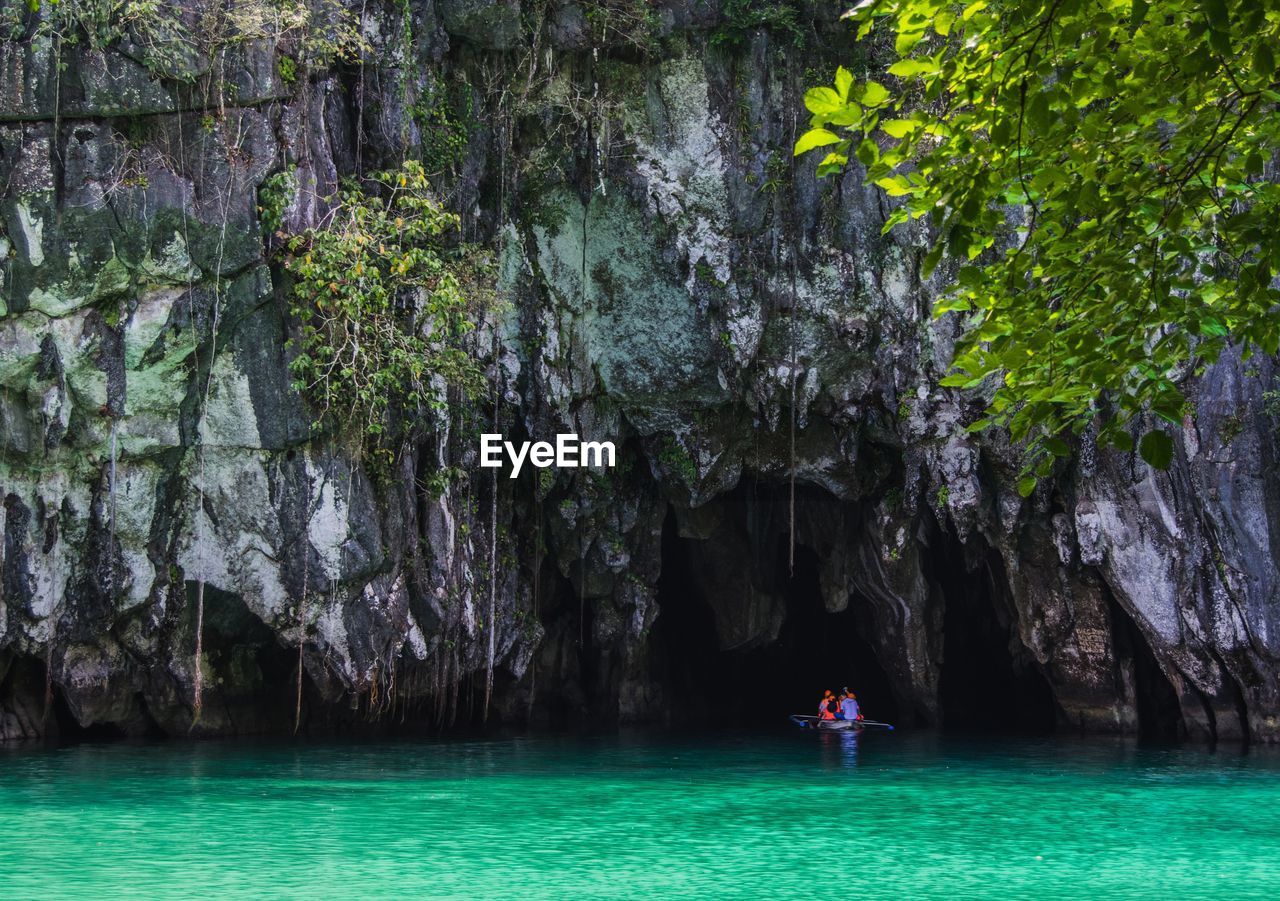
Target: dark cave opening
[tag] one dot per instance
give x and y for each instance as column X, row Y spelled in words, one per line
column 988, row 680
column 1157, row 706
column 759, row 686
column 254, row 676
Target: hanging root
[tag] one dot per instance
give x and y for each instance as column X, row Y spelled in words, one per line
column 197, row 704
column 302, row 631
column 491, row 618
column 297, row 709
column 48, row 680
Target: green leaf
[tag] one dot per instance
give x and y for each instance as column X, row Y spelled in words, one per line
column 1216, row 11
column 858, row 8
column 910, row 68
column 1057, row 447
column 906, row 41
column 895, row 185
column 1038, row 112
column 1169, row 408
column 1120, row 440
column 899, row 128
column 874, row 94
column 815, row 137
column 831, row 164
column 1211, row 327
column 1264, row 61
column 844, row 80
column 1027, row 485
column 931, row 261
column 1157, row 449
column 849, row 114
column 822, row 101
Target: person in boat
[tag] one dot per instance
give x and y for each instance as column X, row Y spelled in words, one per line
column 849, row 706
column 827, row 706
column 833, row 707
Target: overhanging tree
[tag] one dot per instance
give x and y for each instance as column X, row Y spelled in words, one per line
column 1103, row 172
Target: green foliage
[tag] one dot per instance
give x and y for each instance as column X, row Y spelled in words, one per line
column 384, row 306
column 444, row 119
column 170, row 42
column 287, row 69
column 742, row 17
column 1271, row 403
column 633, row 23
column 155, row 27
column 674, row 458
column 438, row 482
column 1096, row 170
column 274, row 195
column 1232, row 426
column 777, row 174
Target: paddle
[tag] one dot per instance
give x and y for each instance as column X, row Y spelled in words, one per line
column 802, row 719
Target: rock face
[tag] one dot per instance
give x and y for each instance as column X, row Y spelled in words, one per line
column 673, row 283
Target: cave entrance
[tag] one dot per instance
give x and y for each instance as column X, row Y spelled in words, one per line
column 1155, row 701
column 706, row 685
column 988, row 680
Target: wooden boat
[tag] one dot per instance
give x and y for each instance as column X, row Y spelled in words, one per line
column 813, row 722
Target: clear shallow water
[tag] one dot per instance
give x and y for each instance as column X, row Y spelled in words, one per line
column 792, row 815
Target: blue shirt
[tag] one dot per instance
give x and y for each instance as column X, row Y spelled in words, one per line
column 849, row 707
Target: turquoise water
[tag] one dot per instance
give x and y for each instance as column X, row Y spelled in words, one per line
column 791, row 815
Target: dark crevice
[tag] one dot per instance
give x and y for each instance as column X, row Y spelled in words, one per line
column 22, row 682
column 561, row 661
column 71, row 732
column 988, row 680
column 253, row 676
column 1155, row 700
column 1235, row 694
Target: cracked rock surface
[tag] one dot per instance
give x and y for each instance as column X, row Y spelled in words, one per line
column 671, row 284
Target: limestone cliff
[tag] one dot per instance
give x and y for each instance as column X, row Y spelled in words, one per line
column 672, row 282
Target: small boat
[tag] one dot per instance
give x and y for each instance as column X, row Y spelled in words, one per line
column 813, row 722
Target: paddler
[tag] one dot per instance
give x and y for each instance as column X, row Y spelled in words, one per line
column 825, row 706
column 849, row 706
